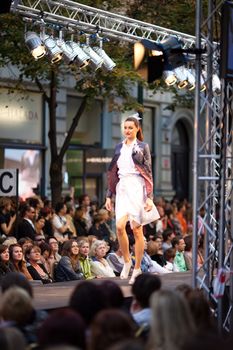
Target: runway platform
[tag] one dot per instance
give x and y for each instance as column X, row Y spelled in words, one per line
column 56, row 295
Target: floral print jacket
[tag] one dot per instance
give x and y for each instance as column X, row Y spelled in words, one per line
column 142, row 160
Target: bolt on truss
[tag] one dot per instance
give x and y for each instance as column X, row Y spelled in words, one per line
column 213, row 164
column 77, row 16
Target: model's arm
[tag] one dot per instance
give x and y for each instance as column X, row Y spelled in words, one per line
column 149, row 184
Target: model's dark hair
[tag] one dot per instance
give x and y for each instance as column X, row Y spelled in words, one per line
column 138, row 125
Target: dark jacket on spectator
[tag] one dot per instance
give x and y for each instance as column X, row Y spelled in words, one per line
column 5, row 268
column 36, row 276
column 65, row 272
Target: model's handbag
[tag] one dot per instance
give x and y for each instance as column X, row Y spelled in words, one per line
column 149, row 216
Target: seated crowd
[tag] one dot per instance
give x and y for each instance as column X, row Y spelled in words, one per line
column 97, row 317
column 79, row 243
column 73, row 242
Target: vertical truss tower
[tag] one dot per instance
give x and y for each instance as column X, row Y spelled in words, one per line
column 213, row 169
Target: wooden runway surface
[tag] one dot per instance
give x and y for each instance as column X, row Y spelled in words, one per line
column 56, row 295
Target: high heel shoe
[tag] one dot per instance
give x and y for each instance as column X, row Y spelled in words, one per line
column 126, row 269
column 136, row 273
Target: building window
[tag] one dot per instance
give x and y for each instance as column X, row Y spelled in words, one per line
column 88, row 130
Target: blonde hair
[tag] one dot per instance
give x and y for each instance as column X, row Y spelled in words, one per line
column 16, row 305
column 82, row 240
column 169, row 307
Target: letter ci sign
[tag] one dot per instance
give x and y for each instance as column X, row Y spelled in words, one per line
column 8, row 182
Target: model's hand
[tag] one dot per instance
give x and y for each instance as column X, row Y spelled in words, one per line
column 149, row 204
column 108, row 204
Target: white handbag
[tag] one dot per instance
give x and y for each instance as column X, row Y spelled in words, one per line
column 149, row 216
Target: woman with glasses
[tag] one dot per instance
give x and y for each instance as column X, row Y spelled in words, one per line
column 35, row 267
column 68, row 268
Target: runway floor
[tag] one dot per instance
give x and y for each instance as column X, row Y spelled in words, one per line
column 56, row 295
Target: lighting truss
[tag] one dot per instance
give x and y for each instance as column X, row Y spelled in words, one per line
column 213, row 165
column 81, row 17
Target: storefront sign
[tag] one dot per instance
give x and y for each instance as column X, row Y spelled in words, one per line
column 98, row 160
column 8, row 182
column 20, row 116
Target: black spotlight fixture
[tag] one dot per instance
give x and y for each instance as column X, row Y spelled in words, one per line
column 5, row 6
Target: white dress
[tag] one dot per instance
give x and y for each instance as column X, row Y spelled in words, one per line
column 131, row 189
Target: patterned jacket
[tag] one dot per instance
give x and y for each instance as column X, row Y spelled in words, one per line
column 142, row 160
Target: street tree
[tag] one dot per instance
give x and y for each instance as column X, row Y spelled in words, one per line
column 47, row 77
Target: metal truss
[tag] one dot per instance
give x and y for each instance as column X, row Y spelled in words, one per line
column 213, row 164
column 75, row 16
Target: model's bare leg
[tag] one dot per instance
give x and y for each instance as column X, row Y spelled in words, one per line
column 139, row 250
column 139, row 246
column 124, row 245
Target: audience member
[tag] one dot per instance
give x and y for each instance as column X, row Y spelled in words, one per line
column 68, row 268
column 87, row 299
column 168, row 235
column 26, row 226
column 169, row 256
column 80, row 222
column 7, row 217
column 62, row 327
column 36, row 269
column 180, row 216
column 115, row 258
column 110, row 326
column 144, row 286
column 99, row 265
column 83, row 256
column 11, row 338
column 5, row 264
column 169, row 307
column 188, row 255
column 113, row 294
column 17, row 260
column 61, row 228
column 179, row 245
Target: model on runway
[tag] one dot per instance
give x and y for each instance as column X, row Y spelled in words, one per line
column 130, row 179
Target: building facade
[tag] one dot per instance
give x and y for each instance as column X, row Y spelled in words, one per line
column 24, row 142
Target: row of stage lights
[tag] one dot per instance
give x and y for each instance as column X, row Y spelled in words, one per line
column 70, row 52
column 185, row 78
column 166, row 60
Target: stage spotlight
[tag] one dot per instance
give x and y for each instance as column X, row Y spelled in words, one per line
column 169, row 77
column 54, row 52
column 95, row 60
column 108, row 63
column 67, row 53
column 81, row 58
column 169, row 48
column 5, row 6
column 216, row 84
column 191, row 80
column 202, row 83
column 35, row 45
column 147, row 64
column 181, row 75
column 162, row 59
